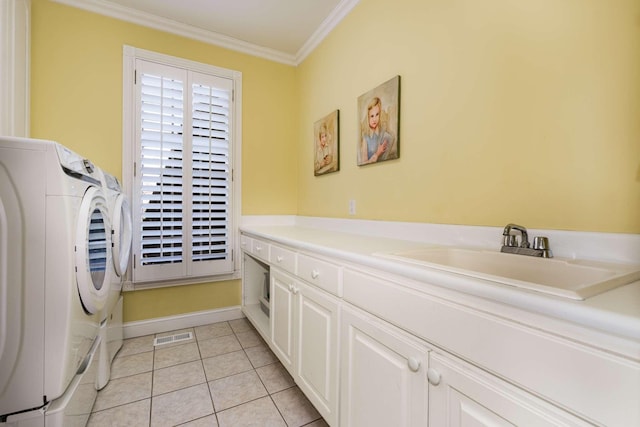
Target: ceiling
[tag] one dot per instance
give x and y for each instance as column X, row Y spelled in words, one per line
column 283, row 30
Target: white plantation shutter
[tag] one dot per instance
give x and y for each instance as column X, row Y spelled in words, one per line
column 161, row 166
column 182, row 209
column 210, row 171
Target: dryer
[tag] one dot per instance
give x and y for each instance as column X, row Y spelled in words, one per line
column 54, row 252
column 111, row 330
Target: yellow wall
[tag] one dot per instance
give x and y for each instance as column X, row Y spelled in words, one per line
column 510, row 111
column 76, row 99
column 161, row 302
column 525, row 111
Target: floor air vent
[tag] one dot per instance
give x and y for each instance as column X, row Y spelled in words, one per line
column 171, row 339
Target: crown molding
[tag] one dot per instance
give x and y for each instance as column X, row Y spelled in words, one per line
column 123, row 13
column 332, row 21
column 107, row 8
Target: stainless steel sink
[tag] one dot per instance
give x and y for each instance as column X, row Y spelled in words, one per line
column 575, row 279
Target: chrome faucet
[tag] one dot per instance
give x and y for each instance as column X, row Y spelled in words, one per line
column 510, row 243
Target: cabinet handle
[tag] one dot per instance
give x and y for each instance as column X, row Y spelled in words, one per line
column 315, row 274
column 258, row 248
column 414, row 364
column 433, row 376
column 290, row 288
column 295, row 290
column 279, row 258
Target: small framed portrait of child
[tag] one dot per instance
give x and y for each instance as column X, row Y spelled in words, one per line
column 379, row 116
column 326, row 133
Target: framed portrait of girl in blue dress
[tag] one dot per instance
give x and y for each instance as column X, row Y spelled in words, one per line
column 379, row 115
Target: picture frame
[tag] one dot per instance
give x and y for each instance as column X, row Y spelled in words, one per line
column 379, row 130
column 326, row 144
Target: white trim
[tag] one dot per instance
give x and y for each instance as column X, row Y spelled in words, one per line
column 253, row 220
column 15, row 63
column 128, row 285
column 144, row 19
column 332, row 21
column 587, row 245
column 128, row 128
column 174, row 61
column 611, row 247
column 180, row 321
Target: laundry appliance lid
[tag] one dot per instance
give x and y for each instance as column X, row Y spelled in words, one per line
column 122, row 234
column 93, row 250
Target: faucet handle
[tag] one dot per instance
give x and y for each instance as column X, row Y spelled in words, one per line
column 540, row 242
column 510, row 240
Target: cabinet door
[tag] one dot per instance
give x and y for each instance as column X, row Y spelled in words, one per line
column 383, row 374
column 317, row 349
column 282, row 322
column 462, row 395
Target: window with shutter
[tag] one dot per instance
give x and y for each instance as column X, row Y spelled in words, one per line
column 184, row 136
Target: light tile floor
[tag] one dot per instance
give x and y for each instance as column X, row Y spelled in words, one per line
column 225, row 376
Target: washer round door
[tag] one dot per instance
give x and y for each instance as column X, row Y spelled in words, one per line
column 93, row 251
column 122, row 229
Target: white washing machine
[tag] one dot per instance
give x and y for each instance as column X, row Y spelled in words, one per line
column 54, row 252
column 111, row 331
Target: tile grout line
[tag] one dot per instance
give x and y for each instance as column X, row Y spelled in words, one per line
column 153, row 370
column 206, row 380
column 278, row 409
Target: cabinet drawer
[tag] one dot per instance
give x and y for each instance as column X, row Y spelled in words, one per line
column 283, row 258
column 245, row 243
column 323, row 274
column 260, row 249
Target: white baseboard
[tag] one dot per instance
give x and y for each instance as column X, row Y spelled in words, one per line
column 171, row 323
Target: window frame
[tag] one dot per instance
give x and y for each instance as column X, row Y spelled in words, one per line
column 130, row 56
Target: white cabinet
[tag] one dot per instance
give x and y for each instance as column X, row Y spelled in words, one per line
column 282, row 312
column 301, row 326
column 360, row 339
column 383, row 374
column 462, row 395
column 563, row 371
column 304, row 336
column 317, row 348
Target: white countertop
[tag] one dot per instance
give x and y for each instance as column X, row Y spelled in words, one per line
column 614, row 312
